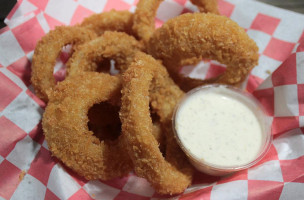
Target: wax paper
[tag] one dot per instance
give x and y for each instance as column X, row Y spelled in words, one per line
column 27, row 170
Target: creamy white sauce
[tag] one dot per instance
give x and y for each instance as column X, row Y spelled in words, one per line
column 219, row 128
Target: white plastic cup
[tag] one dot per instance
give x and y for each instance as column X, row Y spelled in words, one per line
column 255, row 107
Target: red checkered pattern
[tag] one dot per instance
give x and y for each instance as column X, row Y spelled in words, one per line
column 278, row 49
column 10, row 135
column 265, row 23
column 51, row 21
column 79, row 14
column 259, row 190
column 22, row 69
column 226, row 8
column 28, row 33
column 9, row 176
column 5, row 83
column 278, row 83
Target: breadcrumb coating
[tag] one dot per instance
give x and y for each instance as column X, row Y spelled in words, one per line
column 111, row 45
column 194, row 36
column 138, row 89
column 206, row 6
column 144, row 19
column 48, row 49
column 66, row 131
column 113, row 20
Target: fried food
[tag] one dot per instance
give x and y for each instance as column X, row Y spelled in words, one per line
column 46, row 52
column 206, row 6
column 113, row 20
column 115, row 45
column 104, row 122
column 164, row 96
column 146, row 78
column 104, row 126
column 159, row 135
column 144, row 16
column 49, row 47
column 144, row 19
column 65, row 127
column 194, row 36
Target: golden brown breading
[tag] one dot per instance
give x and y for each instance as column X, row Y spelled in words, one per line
column 195, row 36
column 46, row 52
column 144, row 19
column 206, row 6
column 144, row 16
column 138, row 85
column 111, row 45
column 113, row 20
column 65, row 127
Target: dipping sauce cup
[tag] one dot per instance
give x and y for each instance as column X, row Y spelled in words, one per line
column 222, row 129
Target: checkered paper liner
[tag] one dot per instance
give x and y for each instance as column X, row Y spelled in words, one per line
column 27, row 170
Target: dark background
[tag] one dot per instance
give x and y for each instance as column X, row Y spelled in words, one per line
column 294, row 5
column 5, row 7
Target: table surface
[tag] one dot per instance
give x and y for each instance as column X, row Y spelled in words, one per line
column 294, row 5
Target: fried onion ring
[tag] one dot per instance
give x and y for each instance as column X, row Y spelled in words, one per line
column 165, row 177
column 113, row 20
column 209, row 36
column 105, row 123
column 144, row 17
column 206, row 6
column 46, row 52
column 115, row 45
column 65, row 127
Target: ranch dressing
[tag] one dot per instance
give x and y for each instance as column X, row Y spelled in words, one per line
column 219, row 127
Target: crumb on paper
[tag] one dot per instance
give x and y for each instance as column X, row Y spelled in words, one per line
column 93, row 196
column 22, row 174
column 268, row 72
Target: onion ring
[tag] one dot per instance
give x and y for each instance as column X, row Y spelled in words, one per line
column 165, row 177
column 144, row 17
column 65, row 127
column 105, row 123
column 109, row 21
column 159, row 136
column 44, row 60
column 206, row 6
column 208, row 36
column 115, row 45
column 46, row 52
column 164, row 96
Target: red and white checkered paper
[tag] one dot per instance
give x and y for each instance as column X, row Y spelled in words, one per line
column 278, row 83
